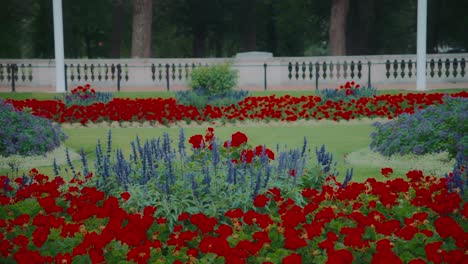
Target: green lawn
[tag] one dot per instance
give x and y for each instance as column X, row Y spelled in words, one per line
column 341, row 139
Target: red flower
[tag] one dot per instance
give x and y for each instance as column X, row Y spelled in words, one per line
column 341, row 256
column 183, row 216
column 386, row 172
column 125, row 196
column 447, row 227
column 209, row 135
column 261, row 200
column 21, row 241
column 197, row 141
column 139, row 254
column 292, row 173
column 192, row 252
column 40, row 236
column 234, row 213
column 433, row 251
column 247, row 156
column 49, row 205
column 294, row 258
column 293, row 239
column 385, row 254
column 417, row 261
column 224, row 231
column 238, row 139
column 204, row 223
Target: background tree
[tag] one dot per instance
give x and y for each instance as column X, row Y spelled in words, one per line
column 141, row 28
column 222, row 28
column 118, row 15
column 338, row 19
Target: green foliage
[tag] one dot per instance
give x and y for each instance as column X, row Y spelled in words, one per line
column 347, row 92
column 25, row 134
column 214, row 80
column 434, row 129
column 85, row 95
column 200, row 100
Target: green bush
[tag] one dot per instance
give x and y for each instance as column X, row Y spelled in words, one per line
column 200, row 99
column 85, row 95
column 25, row 134
column 434, row 129
column 213, row 80
column 347, row 92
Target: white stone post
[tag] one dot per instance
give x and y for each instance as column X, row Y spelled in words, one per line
column 421, row 46
column 58, row 45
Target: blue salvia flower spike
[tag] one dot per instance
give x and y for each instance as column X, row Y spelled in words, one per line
column 257, row 183
column 109, row 144
column 84, row 161
column 135, row 155
column 348, row 178
column 304, row 147
column 69, row 162
column 138, row 142
column 194, row 185
column 181, row 144
column 6, row 185
column 267, row 176
column 56, row 168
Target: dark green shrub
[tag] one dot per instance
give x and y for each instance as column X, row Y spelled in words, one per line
column 216, row 79
column 212, row 85
column 434, row 129
column 25, row 134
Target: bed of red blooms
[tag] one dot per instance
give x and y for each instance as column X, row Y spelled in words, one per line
column 261, row 108
column 412, row 220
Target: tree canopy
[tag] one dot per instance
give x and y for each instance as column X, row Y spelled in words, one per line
column 222, row 28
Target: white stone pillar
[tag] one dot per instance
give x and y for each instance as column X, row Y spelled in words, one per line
column 58, row 45
column 421, row 45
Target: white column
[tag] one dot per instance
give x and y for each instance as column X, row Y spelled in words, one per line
column 421, row 46
column 58, row 41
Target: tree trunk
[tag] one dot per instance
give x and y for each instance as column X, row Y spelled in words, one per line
column 360, row 17
column 337, row 30
column 199, row 40
column 117, row 28
column 141, row 32
column 271, row 30
column 248, row 26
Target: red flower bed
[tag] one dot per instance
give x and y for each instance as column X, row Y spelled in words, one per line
column 416, row 220
column 284, row 108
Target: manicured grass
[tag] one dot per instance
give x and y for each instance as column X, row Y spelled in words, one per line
column 345, row 140
column 341, row 139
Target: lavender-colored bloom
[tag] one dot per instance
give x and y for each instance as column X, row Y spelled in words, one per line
column 135, row 155
column 194, row 184
column 138, row 143
column 56, row 167
column 106, row 168
column 70, row 164
column 348, row 178
column 181, row 144
column 6, row 185
column 122, row 169
column 215, row 153
column 304, row 147
column 257, row 183
column 84, row 161
column 109, row 144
